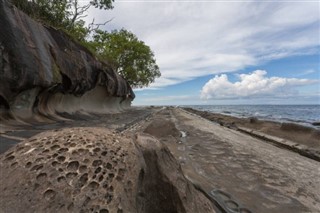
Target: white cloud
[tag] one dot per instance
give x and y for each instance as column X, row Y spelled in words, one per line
column 306, row 72
column 255, row 84
column 193, row 39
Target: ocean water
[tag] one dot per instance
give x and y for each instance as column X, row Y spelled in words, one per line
column 301, row 114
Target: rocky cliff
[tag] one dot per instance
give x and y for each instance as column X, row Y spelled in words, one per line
column 44, row 71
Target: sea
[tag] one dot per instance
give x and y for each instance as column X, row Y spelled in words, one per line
column 301, row 114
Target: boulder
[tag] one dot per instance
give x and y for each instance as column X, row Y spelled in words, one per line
column 95, row 170
column 41, row 67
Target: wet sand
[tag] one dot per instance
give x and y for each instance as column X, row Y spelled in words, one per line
column 236, row 170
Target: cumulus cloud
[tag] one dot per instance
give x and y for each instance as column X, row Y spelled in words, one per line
column 193, row 39
column 255, row 84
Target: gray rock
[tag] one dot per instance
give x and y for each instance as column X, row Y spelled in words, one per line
column 37, row 62
column 95, row 170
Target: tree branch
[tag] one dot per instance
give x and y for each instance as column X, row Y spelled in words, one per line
column 93, row 26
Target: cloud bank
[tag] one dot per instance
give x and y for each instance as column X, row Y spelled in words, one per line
column 193, row 39
column 252, row 85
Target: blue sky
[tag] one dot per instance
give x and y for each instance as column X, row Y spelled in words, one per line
column 226, row 52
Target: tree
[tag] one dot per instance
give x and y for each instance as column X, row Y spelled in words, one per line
column 130, row 57
column 60, row 13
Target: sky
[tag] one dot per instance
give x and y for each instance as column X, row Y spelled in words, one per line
column 225, row 52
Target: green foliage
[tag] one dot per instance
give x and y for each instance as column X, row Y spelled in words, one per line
column 102, row 4
column 59, row 13
column 51, row 12
column 132, row 58
column 78, row 31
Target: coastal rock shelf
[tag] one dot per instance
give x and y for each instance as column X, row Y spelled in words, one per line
column 189, row 164
column 44, row 71
column 95, row 170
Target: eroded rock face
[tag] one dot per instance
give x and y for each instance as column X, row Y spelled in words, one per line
column 95, row 170
column 39, row 63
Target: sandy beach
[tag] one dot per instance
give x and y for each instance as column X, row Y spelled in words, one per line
column 233, row 169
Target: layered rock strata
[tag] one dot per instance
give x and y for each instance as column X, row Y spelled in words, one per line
column 44, row 71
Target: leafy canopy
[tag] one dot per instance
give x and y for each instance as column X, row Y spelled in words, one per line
column 129, row 56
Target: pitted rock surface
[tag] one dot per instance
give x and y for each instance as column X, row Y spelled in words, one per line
column 94, row 170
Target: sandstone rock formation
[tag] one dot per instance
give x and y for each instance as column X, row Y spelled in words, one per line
column 44, row 71
column 95, row 170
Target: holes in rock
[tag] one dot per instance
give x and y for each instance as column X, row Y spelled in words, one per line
column 42, row 177
column 45, row 151
column 96, row 163
column 95, row 150
column 93, row 185
column 54, row 147
column 14, row 164
column 55, row 163
column 71, row 175
column 28, row 165
column 19, row 149
column 104, row 211
column 49, row 194
column 62, row 150
column 100, row 178
column 120, row 211
column 86, row 161
column 83, row 180
column 73, row 166
column 109, row 166
column 83, row 168
column 61, row 158
column 54, row 155
column 10, row 158
column 37, row 167
column 104, row 153
column 98, row 170
column 108, row 197
column 9, row 154
column 38, row 160
column 61, row 179
column 81, row 151
column 111, row 175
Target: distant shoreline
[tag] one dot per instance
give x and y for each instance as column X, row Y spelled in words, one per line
column 305, row 115
column 305, row 135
